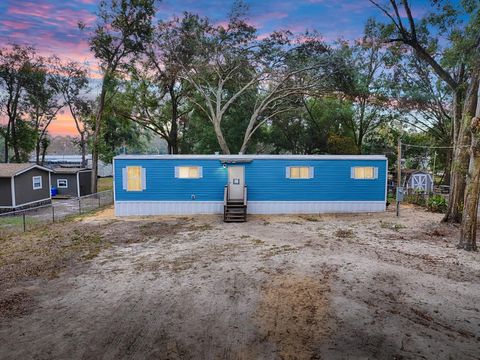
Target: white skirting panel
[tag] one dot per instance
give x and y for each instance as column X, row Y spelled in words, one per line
column 130, row 208
column 314, row 207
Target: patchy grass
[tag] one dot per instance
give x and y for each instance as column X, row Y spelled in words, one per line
column 104, row 184
column 257, row 242
column 312, row 218
column 391, row 226
column 200, row 227
column 275, row 250
column 344, row 233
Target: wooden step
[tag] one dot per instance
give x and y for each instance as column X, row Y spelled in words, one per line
column 236, row 212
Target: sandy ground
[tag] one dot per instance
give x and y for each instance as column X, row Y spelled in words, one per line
column 284, row 287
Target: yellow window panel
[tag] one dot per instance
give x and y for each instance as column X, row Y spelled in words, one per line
column 369, row 173
column 359, row 173
column 365, row 172
column 294, row 172
column 184, row 172
column 299, row 172
column 193, row 172
column 134, row 178
column 188, row 172
column 304, row 172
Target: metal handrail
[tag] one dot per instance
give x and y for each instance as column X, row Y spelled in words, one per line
column 245, row 195
column 225, row 195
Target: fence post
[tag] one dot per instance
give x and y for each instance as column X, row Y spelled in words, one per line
column 24, row 225
column 53, row 213
column 79, row 206
column 99, row 199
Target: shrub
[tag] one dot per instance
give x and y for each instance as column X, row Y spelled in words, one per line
column 437, row 203
column 415, row 198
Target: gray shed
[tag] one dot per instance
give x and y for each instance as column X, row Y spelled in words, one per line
column 23, row 185
column 419, row 181
column 74, row 182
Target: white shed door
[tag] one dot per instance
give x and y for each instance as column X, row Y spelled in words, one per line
column 419, row 182
column 236, row 182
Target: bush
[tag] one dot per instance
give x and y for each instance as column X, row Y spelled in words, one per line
column 416, row 198
column 437, row 203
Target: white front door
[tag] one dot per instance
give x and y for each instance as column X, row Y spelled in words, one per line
column 419, row 182
column 236, row 182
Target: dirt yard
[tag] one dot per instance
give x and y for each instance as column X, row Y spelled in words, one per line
column 284, row 287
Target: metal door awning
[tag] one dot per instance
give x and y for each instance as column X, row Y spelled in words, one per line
column 235, row 161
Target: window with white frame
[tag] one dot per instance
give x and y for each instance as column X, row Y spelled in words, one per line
column 134, row 178
column 37, row 182
column 62, row 183
column 188, row 172
column 364, row 172
column 299, row 172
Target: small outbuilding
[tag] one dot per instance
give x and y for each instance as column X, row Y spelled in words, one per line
column 418, row 181
column 72, row 181
column 24, row 185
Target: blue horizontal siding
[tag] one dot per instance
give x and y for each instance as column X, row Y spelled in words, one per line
column 265, row 179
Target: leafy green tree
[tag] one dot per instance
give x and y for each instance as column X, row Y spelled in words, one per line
column 71, row 83
column 122, row 29
column 455, row 61
column 370, row 86
column 42, row 103
column 16, row 64
column 119, row 134
column 317, row 126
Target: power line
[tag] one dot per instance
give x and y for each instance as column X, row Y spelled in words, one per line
column 434, row 147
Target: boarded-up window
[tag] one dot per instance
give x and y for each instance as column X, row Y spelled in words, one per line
column 300, row 172
column 134, row 178
column 364, row 172
column 188, row 172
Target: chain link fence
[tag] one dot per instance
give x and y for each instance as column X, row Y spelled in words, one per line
column 24, row 220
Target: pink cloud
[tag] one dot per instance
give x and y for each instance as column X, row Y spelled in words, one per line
column 14, row 25
column 43, row 11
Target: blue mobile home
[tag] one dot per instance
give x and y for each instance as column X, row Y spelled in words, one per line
column 257, row 184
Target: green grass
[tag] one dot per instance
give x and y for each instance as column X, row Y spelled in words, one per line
column 11, row 220
column 104, row 184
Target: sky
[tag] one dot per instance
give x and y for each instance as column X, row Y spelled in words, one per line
column 51, row 25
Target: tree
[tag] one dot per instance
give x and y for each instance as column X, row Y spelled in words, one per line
column 468, row 232
column 461, row 70
column 122, row 29
column 71, row 83
column 457, row 73
column 42, row 103
column 371, row 99
column 224, row 63
column 119, row 134
column 297, row 68
column 422, row 101
column 16, row 63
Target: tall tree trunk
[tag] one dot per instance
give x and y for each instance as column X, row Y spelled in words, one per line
column 44, row 152
column 220, row 138
column 468, row 231
column 83, row 149
column 37, row 152
column 459, row 163
column 448, row 165
column 97, row 134
column 173, row 143
column 7, row 142
column 16, row 151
